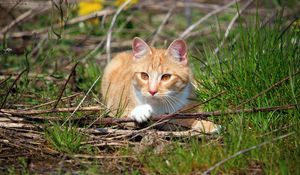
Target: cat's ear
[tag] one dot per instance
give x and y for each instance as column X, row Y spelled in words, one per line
column 139, row 48
column 178, row 51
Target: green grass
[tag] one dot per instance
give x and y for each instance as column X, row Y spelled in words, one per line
column 66, row 139
column 259, row 58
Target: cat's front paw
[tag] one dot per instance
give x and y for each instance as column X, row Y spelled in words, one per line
column 141, row 113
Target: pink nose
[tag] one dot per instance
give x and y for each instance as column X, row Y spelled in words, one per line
column 152, row 92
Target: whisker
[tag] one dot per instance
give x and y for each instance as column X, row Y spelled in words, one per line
column 176, row 99
column 165, row 106
column 171, row 103
column 168, row 104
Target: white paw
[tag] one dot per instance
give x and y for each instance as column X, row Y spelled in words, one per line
column 141, row 113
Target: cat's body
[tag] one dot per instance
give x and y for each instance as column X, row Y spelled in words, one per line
column 149, row 81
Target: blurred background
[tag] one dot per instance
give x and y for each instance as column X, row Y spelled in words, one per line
column 51, row 35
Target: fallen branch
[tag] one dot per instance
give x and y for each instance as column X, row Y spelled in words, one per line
column 201, row 115
column 73, row 72
column 12, row 85
column 54, row 101
column 58, row 25
column 97, row 108
column 15, row 22
column 109, row 131
column 16, row 125
column 110, row 121
column 47, row 111
column 3, row 81
column 87, row 156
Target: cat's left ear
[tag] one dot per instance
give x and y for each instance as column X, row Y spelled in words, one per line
column 178, row 50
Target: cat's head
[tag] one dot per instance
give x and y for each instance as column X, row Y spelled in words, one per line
column 160, row 72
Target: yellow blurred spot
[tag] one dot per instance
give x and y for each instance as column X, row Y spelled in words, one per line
column 90, row 6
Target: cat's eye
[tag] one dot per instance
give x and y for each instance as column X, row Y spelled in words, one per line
column 165, row 77
column 144, row 76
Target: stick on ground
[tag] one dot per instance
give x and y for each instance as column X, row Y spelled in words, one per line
column 10, row 88
column 111, row 121
column 64, row 87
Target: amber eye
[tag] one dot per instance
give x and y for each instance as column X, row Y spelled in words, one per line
column 144, row 76
column 165, row 77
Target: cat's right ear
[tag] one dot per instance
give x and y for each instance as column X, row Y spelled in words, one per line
column 139, row 48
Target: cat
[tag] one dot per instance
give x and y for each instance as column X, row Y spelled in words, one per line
column 149, row 81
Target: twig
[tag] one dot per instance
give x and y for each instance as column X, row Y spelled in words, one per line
column 278, row 129
column 64, row 87
column 244, row 151
column 21, row 4
column 110, row 121
column 90, row 16
column 287, row 27
column 3, row 81
column 35, row 51
column 111, row 27
column 201, row 6
column 11, row 119
column 16, row 125
column 78, row 106
column 237, row 15
column 165, row 20
column 16, row 21
column 86, row 156
column 205, row 115
column 58, row 25
column 268, row 89
column 47, row 111
column 99, row 45
column 29, row 119
column 3, row 114
column 10, row 88
column 218, row 10
column 109, row 131
column 51, row 102
column 100, row 141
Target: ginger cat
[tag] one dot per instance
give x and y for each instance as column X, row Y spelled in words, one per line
column 150, row 81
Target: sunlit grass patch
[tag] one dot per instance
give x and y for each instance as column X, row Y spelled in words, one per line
column 260, row 58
